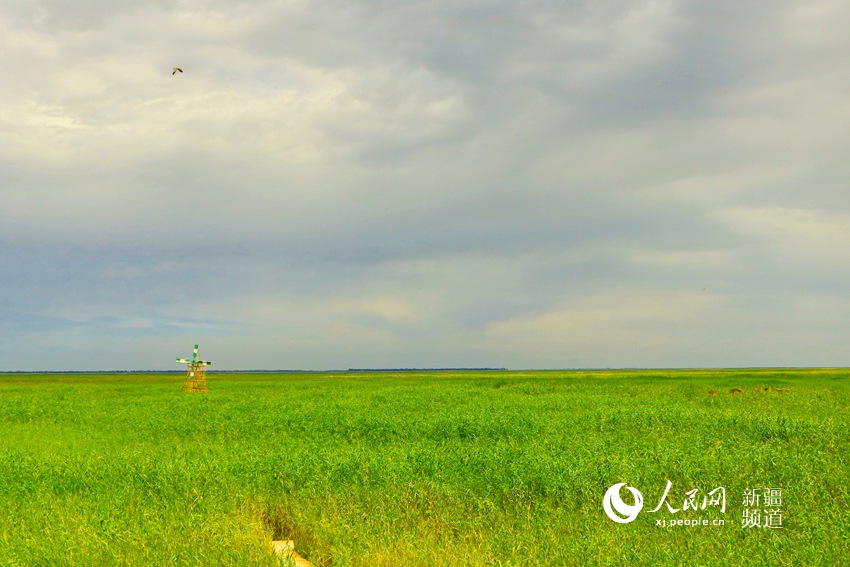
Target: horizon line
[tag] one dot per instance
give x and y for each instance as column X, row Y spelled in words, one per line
column 418, row 369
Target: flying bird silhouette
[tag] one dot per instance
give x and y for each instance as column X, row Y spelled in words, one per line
column 175, row 69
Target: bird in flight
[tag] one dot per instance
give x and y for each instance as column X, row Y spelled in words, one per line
column 175, row 69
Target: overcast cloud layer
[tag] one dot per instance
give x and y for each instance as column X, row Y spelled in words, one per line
column 424, row 184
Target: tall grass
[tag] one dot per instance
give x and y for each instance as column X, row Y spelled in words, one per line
column 417, row 468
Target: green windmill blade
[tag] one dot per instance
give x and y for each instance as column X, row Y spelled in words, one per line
column 197, row 361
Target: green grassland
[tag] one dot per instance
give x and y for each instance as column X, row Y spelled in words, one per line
column 419, row 468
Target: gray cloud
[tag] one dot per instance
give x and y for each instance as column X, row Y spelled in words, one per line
column 427, row 184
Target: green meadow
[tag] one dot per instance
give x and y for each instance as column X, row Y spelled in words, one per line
column 422, row 468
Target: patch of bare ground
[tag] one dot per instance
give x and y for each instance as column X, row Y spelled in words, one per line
column 286, row 549
column 286, row 533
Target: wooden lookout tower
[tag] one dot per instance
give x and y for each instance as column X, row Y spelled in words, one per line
column 196, row 373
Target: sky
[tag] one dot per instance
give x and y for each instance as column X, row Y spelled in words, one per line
column 388, row 184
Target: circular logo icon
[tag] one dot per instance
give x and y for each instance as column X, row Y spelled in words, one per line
column 618, row 510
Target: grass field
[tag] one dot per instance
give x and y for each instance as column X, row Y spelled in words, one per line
column 419, row 468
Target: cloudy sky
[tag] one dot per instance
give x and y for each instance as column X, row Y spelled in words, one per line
column 354, row 183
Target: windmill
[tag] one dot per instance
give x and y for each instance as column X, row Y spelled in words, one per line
column 196, row 373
